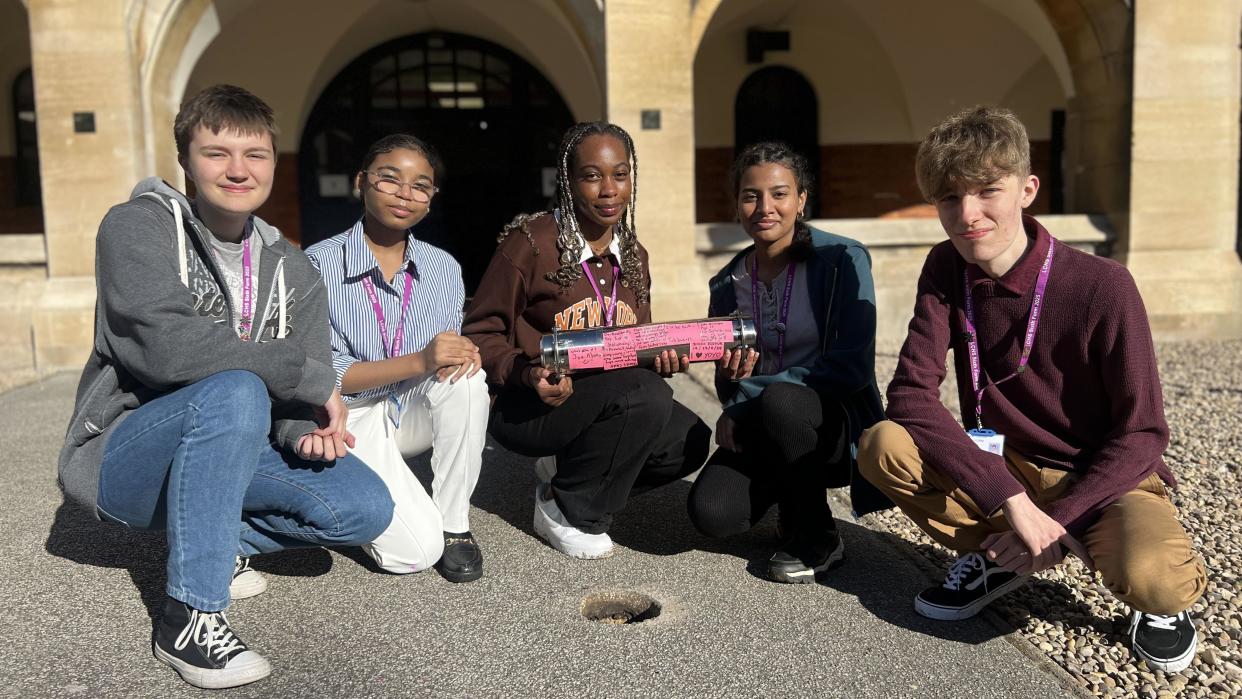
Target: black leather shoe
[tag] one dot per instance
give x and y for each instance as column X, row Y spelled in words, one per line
column 462, row 560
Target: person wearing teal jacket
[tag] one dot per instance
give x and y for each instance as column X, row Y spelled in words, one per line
column 793, row 411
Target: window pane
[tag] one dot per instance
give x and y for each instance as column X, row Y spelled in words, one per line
column 441, row 84
column 414, row 89
column 410, row 58
column 384, row 83
column 470, row 59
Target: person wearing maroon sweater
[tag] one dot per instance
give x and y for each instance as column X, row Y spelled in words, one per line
column 599, row 437
column 1057, row 378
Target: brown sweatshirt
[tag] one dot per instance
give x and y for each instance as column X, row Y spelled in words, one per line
column 516, row 304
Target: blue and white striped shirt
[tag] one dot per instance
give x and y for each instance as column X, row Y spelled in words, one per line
column 436, row 300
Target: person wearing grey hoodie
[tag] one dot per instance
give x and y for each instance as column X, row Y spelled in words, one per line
column 208, row 406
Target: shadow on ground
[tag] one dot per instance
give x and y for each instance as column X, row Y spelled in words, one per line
column 881, row 570
column 77, row 536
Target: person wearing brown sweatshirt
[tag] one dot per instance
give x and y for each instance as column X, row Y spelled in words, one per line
column 581, row 266
column 1059, row 390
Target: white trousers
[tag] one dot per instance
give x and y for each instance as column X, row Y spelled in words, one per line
column 451, row 419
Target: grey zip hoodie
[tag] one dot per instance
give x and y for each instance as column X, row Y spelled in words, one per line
column 158, row 288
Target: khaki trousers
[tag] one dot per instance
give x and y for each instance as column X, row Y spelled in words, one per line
column 1140, row 549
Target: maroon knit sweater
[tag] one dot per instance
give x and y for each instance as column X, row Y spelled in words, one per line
column 1089, row 400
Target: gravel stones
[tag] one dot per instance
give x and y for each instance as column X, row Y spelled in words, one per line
column 1068, row 614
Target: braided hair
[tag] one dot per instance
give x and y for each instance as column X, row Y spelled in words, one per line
column 569, row 239
column 772, row 152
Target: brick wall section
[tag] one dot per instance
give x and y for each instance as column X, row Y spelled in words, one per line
column 855, row 181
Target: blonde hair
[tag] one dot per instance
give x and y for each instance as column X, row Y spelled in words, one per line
column 973, row 147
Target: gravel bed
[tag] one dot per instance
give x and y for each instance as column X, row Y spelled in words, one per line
column 1068, row 614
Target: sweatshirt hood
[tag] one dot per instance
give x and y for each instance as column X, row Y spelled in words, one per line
column 153, row 185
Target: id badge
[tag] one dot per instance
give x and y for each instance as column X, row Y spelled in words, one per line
column 988, row 441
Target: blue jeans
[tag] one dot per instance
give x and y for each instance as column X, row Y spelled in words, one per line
column 198, row 462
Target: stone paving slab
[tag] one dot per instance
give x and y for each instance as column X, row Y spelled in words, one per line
column 80, row 594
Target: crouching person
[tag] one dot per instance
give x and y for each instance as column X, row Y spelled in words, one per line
column 1058, row 385
column 208, row 407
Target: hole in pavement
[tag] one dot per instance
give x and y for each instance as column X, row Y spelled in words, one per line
column 619, row 607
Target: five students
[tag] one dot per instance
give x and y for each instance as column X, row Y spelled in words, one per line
column 362, row 353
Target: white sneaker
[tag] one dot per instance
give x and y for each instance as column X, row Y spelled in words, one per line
column 545, row 468
column 247, row 582
column 569, row 540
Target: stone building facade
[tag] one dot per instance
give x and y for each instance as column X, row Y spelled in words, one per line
column 1133, row 109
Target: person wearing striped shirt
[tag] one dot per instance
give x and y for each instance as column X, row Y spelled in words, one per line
column 411, row 381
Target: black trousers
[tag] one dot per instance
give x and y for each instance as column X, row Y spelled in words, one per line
column 620, row 432
column 789, row 436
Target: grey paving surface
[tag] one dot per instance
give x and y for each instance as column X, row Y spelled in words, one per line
column 79, row 594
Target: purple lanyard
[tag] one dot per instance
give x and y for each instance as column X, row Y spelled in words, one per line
column 247, row 285
column 611, row 308
column 784, row 309
column 1032, row 324
column 393, row 349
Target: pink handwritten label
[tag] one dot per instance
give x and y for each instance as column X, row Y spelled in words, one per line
column 586, row 357
column 706, row 352
column 621, row 348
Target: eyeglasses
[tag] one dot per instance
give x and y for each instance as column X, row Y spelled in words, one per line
column 420, row 192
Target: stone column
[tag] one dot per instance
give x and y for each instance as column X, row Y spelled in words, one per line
column 1096, row 36
column 83, row 65
column 1184, row 167
column 650, row 66
column 82, row 60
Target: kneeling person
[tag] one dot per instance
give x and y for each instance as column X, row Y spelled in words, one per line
column 196, row 412
column 1054, row 357
column 411, row 381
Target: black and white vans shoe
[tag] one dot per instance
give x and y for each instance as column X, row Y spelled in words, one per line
column 247, row 582
column 202, row 648
column 970, row 585
column 800, row 561
column 1167, row 643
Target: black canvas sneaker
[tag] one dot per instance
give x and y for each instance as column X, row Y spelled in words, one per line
column 801, row 560
column 202, row 648
column 1167, row 643
column 462, row 560
column 247, row 582
column 970, row 585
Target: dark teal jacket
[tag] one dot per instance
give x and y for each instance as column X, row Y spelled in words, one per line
column 843, row 299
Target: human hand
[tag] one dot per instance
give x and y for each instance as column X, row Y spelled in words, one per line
column 553, row 394
column 453, row 373
column 737, row 364
column 667, row 364
column 725, row 433
column 1032, row 545
column 331, row 440
column 448, row 349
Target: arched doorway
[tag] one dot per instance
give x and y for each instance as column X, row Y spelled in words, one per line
column 778, row 104
column 494, row 118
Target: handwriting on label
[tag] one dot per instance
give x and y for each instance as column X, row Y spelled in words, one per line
column 621, row 346
column 589, row 357
column 706, row 352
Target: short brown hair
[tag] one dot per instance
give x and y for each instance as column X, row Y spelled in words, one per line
column 221, row 107
column 973, row 147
